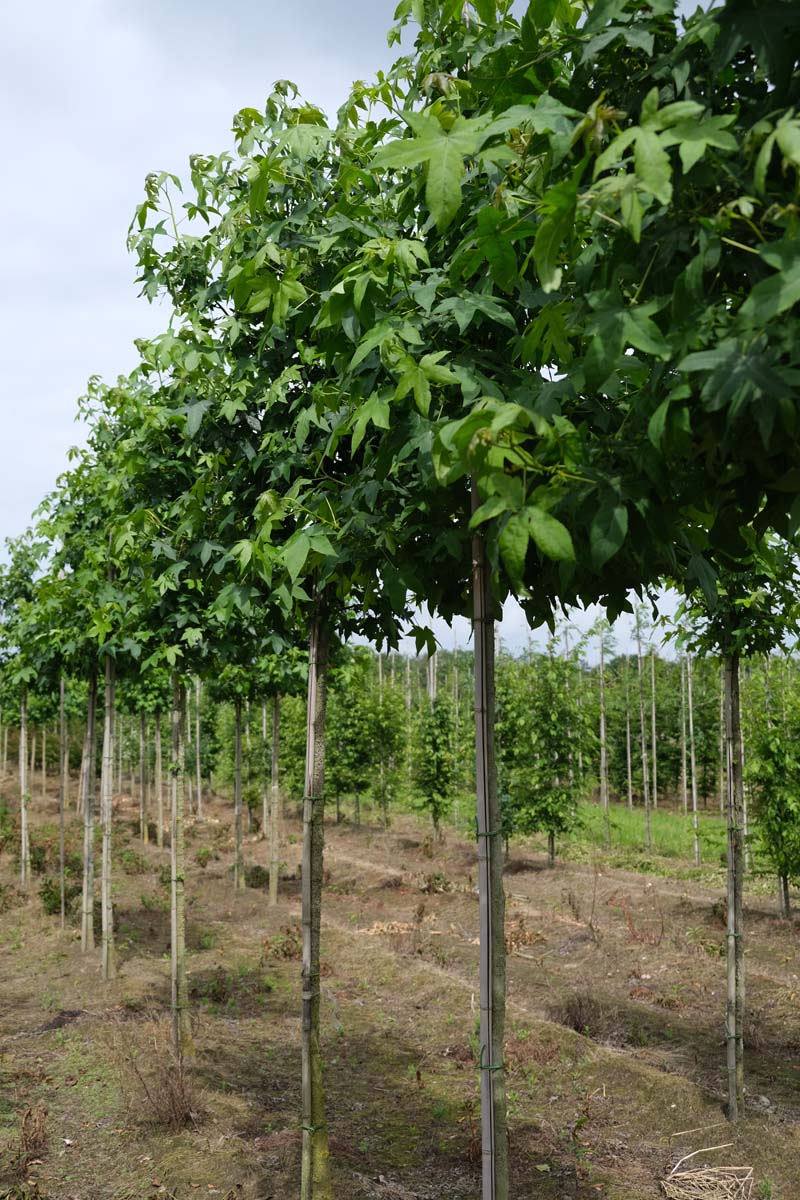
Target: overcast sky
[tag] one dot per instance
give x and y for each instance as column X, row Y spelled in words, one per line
column 94, row 94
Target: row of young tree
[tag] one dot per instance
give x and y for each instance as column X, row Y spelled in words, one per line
column 522, row 320
column 400, row 735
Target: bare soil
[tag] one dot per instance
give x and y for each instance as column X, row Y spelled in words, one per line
column 615, row 1047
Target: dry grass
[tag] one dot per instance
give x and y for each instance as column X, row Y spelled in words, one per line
column 156, row 1086
column 583, row 1012
column 708, row 1183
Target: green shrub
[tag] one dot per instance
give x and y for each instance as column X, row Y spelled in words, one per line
column 50, row 896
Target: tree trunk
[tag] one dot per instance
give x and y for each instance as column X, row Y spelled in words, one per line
column 238, row 863
column 603, row 747
column 62, row 790
column 684, row 773
column 628, row 755
column 494, row 1135
column 109, row 963
column 159, row 785
column 265, row 795
column 274, row 804
column 693, row 760
column 181, row 1029
column 198, row 757
column 5, row 750
column 722, row 742
column 643, row 735
column 735, row 935
column 88, row 799
column 653, row 724
column 315, row 1181
column 551, row 849
column 142, row 781
column 44, row 760
column 25, row 848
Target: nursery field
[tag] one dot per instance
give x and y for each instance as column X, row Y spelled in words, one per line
column 614, row 1048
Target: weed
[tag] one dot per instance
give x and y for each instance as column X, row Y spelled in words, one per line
column 204, row 856
column 583, row 1012
column 256, row 877
column 133, row 863
column 765, row 1191
column 155, row 1084
column 50, row 896
column 206, row 940
column 288, row 944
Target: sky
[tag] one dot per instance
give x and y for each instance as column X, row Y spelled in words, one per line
column 94, row 94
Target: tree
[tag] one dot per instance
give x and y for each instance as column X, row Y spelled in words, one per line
column 434, row 759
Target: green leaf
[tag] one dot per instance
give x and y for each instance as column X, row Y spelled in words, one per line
column 514, row 539
column 551, row 536
column 553, row 231
column 486, row 10
column 443, row 189
column 542, row 12
column 295, row 553
column 771, row 297
column 194, row 416
column 652, row 165
column 655, row 426
column 607, row 532
column 701, row 570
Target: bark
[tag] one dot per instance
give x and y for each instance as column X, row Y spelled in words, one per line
column 684, row 773
column 783, row 896
column 181, row 1029
column 494, row 1134
column 628, row 756
column 62, row 790
column 44, row 761
column 551, row 849
column 25, row 848
column 5, row 750
column 159, row 785
column 603, row 746
column 643, row 735
column 693, row 760
column 109, row 963
column 315, row 1179
column 274, row 805
column 722, row 789
column 265, row 794
column 142, row 781
column 238, row 864
column 198, row 758
column 735, row 934
column 88, row 798
column 653, row 725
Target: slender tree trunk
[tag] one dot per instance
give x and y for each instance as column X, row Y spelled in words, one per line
column 32, row 767
column 159, row 784
column 88, row 797
column 653, row 724
column 494, row 1135
column 198, row 757
column 643, row 734
column 692, row 760
column 109, row 963
column 735, row 937
column 722, row 789
column 25, row 850
column 238, row 863
column 603, row 748
column 684, row 778
column 628, row 755
column 181, row 1028
column 784, row 901
column 62, row 789
column 265, row 795
column 274, row 804
column 315, row 1181
column 44, row 761
column 120, row 739
column 142, row 781
column 551, row 849
column 5, row 750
